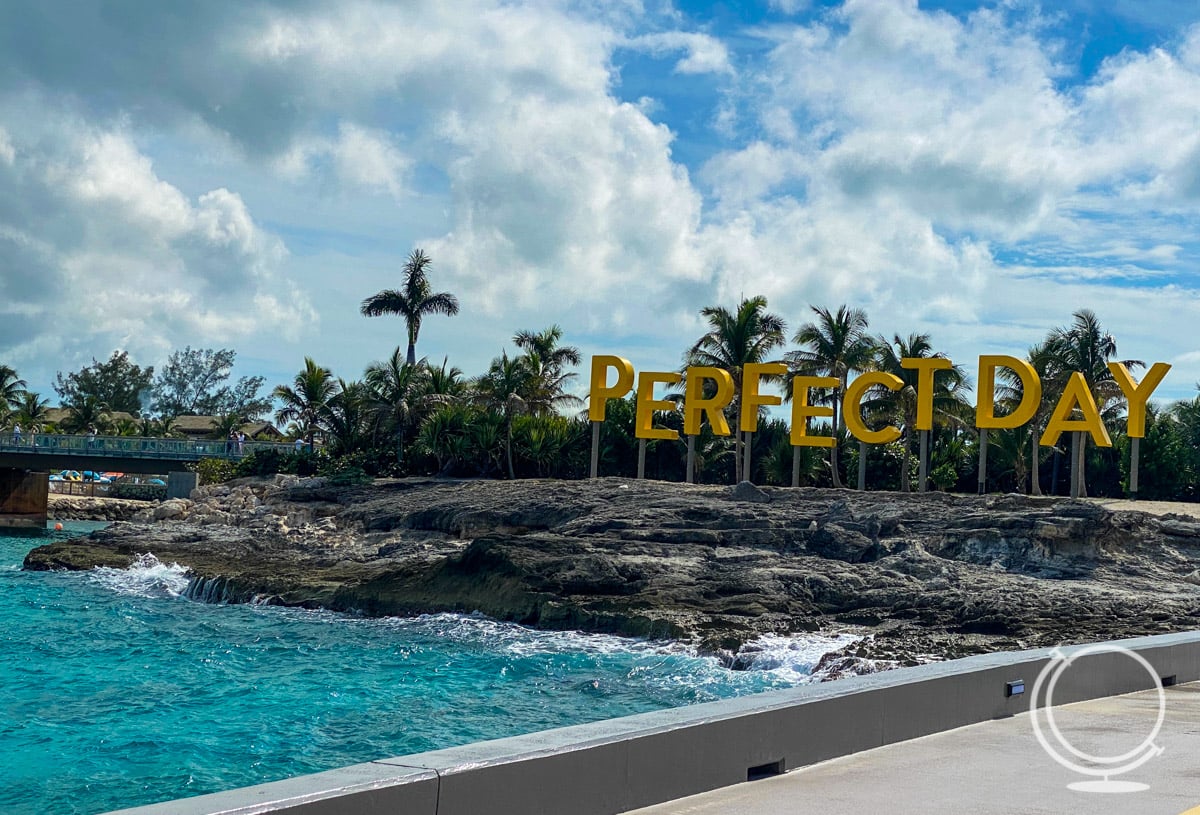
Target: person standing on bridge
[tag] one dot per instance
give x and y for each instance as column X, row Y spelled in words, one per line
column 91, row 439
column 16, row 433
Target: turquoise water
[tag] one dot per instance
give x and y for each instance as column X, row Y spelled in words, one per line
column 119, row 691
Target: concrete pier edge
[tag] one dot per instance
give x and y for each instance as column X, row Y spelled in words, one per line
column 617, row 765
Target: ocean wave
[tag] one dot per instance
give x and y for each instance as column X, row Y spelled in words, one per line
column 147, row 577
column 793, row 657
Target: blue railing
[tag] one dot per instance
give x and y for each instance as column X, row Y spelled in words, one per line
column 134, row 446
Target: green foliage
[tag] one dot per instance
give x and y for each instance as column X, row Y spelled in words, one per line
column 117, row 384
column 193, row 383
column 413, row 301
column 272, row 460
column 214, row 470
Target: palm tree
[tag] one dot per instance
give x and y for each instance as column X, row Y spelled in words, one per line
column 345, row 417
column 734, row 339
column 546, row 361
column 1086, row 347
column 11, row 390
column 412, row 302
column 835, row 345
column 305, row 401
column 86, row 413
column 500, row 390
column 31, row 410
column 392, row 397
column 948, row 398
column 445, row 382
column 1012, row 393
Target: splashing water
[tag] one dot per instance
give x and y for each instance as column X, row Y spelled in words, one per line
column 120, row 690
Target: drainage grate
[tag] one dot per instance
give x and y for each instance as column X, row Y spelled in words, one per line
column 764, row 771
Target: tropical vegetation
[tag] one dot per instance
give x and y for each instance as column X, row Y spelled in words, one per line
column 521, row 417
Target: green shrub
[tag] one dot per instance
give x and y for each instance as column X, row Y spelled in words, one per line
column 214, row 470
column 274, row 460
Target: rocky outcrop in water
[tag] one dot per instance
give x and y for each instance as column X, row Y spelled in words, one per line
column 927, row 575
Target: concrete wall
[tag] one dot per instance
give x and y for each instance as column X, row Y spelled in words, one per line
column 23, row 498
column 180, row 484
column 622, row 764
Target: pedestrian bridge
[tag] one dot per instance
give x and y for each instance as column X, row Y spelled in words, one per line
column 26, row 459
column 126, row 454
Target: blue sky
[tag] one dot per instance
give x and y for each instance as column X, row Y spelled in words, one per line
column 243, row 174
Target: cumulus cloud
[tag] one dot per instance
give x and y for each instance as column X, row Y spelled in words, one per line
column 95, row 248
column 703, row 54
column 939, row 170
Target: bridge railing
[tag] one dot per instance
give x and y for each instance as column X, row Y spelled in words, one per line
column 134, row 446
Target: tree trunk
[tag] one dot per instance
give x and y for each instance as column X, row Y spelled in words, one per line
column 412, row 352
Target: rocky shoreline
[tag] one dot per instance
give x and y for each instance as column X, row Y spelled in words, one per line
column 920, row 576
column 83, row 508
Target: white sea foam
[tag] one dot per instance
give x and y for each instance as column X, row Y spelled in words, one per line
column 147, row 577
column 793, row 657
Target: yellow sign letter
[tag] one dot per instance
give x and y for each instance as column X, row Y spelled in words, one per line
column 1137, row 394
column 600, row 392
column 647, row 404
column 1076, row 395
column 1031, row 396
column 751, row 398
column 852, row 407
column 695, row 406
column 925, row 366
column 802, row 411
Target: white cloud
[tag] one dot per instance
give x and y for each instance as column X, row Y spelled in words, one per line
column 96, row 249
column 704, row 54
column 359, row 159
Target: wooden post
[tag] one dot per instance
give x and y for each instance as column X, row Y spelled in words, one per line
column 983, row 443
column 746, row 471
column 595, row 450
column 641, row 458
column 1135, row 454
column 691, row 460
column 923, row 465
column 862, row 466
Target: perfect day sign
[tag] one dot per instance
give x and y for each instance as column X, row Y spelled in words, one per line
column 698, row 407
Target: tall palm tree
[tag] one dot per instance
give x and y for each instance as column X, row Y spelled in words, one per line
column 948, row 389
column 834, row 345
column 305, row 401
column 546, row 361
column 747, row 335
column 1084, row 346
column 12, row 388
column 413, row 301
column 500, row 390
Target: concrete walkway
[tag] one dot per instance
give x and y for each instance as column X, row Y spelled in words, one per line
column 994, row 767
